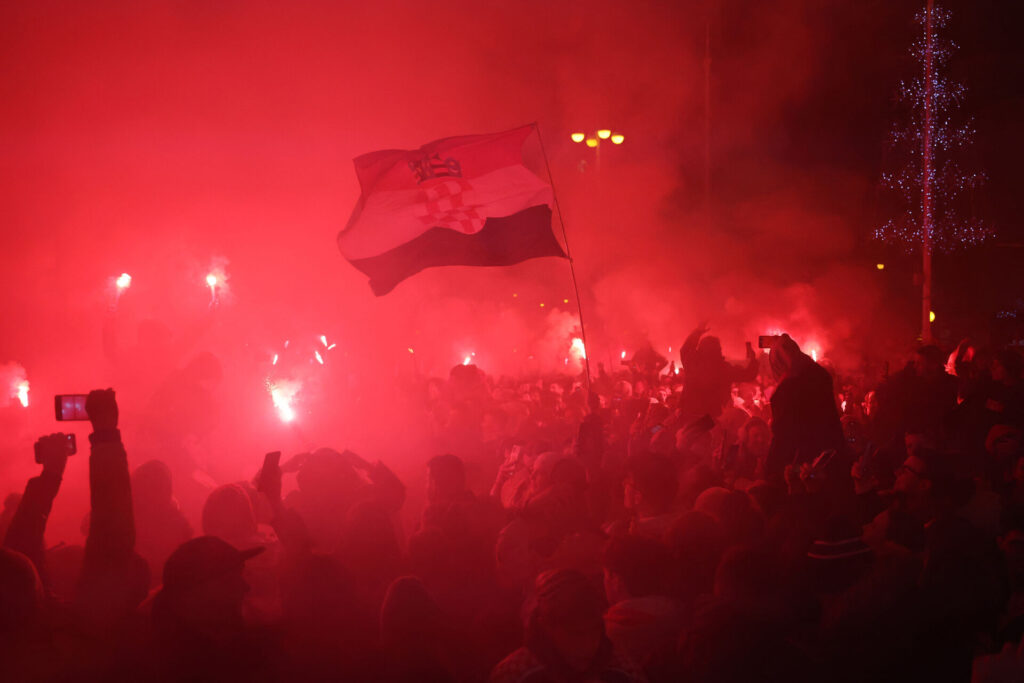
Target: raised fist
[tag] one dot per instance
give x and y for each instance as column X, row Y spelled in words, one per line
column 101, row 407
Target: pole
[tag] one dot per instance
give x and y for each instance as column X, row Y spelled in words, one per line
column 707, row 124
column 926, row 182
column 568, row 254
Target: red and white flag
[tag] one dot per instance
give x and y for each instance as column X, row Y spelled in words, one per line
column 466, row 201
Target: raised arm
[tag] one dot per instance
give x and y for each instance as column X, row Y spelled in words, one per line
column 112, row 522
column 689, row 347
column 28, row 526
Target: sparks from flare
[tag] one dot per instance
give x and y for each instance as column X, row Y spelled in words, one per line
column 22, row 392
column 124, row 281
column 282, row 394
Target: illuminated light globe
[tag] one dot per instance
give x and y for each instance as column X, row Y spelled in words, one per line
column 577, row 137
column 604, row 133
column 591, row 142
column 124, row 281
column 618, row 139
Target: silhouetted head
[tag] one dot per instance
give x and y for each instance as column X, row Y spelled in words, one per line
column 21, row 593
column 409, row 619
column 228, row 513
column 569, row 615
column 151, row 481
column 203, row 586
column 651, row 484
column 326, row 475
column 709, row 349
column 785, row 358
column 446, row 479
column 756, row 436
column 635, row 567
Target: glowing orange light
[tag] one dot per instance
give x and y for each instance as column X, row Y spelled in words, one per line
column 880, row 266
column 578, row 137
column 931, row 316
column 410, row 350
column 618, row 138
column 604, row 133
column 542, row 304
column 591, row 142
column 565, row 301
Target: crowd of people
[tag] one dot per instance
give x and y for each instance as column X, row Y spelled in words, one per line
column 711, row 521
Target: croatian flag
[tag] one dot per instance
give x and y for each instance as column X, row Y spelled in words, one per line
column 462, row 201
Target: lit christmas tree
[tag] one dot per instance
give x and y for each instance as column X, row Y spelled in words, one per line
column 932, row 186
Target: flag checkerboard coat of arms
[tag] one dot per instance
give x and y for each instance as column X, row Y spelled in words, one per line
column 467, row 200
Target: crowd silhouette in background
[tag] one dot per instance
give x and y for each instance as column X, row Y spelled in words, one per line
column 764, row 520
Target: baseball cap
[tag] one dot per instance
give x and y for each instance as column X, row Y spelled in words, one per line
column 203, row 559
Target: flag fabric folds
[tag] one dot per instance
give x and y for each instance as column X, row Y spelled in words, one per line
column 461, row 201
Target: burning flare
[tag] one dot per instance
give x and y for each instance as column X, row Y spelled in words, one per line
column 578, row 350
column 283, row 395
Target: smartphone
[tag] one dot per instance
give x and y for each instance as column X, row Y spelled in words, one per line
column 72, row 447
column 271, row 461
column 70, row 407
column 768, row 341
column 822, row 461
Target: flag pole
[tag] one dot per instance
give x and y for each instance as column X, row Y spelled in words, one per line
column 568, row 254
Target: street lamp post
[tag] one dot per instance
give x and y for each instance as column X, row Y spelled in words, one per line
column 593, row 140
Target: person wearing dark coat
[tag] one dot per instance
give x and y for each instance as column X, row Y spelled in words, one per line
column 805, row 420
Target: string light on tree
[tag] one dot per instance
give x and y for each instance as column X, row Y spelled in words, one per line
column 934, row 191
column 932, row 140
